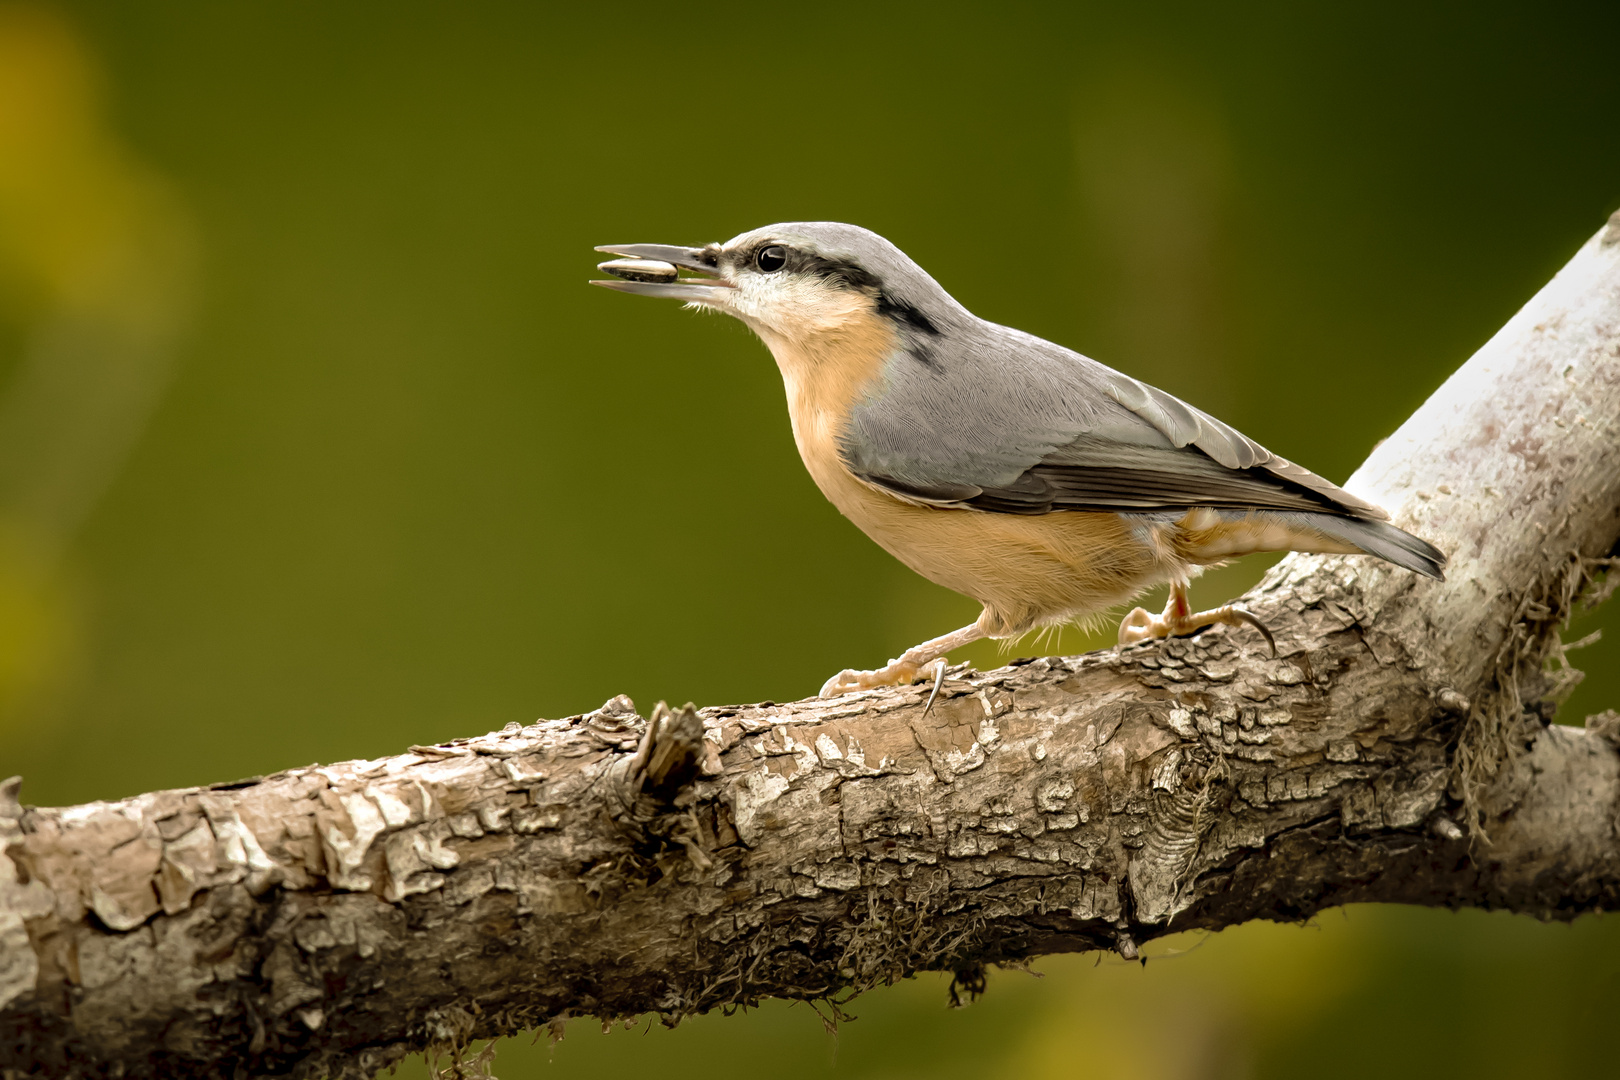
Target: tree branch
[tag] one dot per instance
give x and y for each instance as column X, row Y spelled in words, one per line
column 328, row 921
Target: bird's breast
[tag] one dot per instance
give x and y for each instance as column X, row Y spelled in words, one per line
column 825, row 375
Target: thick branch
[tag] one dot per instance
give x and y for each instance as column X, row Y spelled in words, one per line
column 330, row 920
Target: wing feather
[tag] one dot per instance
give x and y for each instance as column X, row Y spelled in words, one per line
column 1005, row 422
column 1185, row 425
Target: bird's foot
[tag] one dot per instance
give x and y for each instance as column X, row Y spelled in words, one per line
column 1177, row 621
column 901, row 672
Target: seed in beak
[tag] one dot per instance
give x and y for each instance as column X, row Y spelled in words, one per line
column 640, row 269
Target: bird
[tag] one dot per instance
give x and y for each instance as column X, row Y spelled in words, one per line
column 1043, row 484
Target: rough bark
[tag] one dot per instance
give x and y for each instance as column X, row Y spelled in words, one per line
column 327, row 921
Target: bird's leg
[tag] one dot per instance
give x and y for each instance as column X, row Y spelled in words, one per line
column 927, row 658
column 1179, row 620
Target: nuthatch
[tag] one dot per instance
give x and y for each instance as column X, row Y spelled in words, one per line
column 1041, row 483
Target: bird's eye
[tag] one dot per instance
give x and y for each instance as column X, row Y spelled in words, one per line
column 771, row 259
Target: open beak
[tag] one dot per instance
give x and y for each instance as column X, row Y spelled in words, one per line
column 655, row 270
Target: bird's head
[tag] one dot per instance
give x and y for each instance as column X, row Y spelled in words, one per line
column 794, row 284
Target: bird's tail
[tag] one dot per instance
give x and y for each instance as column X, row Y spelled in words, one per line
column 1384, row 540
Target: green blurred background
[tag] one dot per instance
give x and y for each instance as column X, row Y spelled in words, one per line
column 314, row 443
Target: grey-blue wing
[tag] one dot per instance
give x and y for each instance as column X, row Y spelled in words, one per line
column 1008, row 423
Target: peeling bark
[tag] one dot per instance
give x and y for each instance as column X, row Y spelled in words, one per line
column 328, row 921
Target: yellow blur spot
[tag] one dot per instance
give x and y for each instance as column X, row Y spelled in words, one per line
column 96, row 258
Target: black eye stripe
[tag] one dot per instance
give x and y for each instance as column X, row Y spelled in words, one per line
column 770, row 258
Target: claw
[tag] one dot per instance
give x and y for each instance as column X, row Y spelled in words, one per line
column 1245, row 615
column 939, row 681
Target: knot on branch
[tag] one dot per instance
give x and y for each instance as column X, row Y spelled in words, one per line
column 654, row 786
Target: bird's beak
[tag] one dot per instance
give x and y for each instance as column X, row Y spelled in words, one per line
column 654, row 270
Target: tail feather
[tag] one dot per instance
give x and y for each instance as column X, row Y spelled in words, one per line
column 1384, row 540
